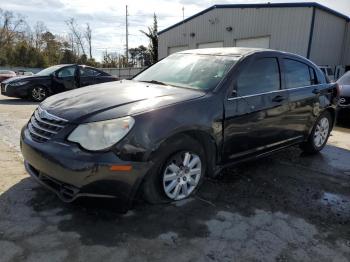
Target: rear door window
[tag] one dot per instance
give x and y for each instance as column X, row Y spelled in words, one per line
column 261, row 76
column 88, row 72
column 297, row 74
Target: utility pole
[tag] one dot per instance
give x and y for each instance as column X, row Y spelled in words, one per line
column 127, row 37
column 183, row 13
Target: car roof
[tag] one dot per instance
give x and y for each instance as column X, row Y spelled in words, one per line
column 233, row 51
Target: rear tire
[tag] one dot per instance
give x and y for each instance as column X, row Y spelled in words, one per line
column 38, row 93
column 179, row 169
column 319, row 134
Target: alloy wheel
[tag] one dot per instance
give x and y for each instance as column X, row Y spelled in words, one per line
column 38, row 93
column 182, row 175
column 321, row 132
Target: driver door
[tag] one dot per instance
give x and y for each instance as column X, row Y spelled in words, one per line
column 66, row 78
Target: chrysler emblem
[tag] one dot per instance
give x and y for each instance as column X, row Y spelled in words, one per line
column 46, row 115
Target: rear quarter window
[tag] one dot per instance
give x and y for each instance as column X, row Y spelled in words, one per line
column 297, row 74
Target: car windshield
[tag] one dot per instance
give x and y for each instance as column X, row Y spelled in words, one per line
column 189, row 71
column 345, row 79
column 48, row 71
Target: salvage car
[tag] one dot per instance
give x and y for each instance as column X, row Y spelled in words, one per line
column 183, row 119
column 6, row 74
column 53, row 80
column 344, row 100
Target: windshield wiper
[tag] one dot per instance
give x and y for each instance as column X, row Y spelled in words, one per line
column 155, row 82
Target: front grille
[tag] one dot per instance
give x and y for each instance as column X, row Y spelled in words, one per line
column 43, row 125
column 344, row 101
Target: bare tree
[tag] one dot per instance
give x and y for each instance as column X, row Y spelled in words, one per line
column 78, row 37
column 11, row 26
column 39, row 30
column 88, row 36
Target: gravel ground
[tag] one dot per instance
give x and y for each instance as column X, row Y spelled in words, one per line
column 287, row 207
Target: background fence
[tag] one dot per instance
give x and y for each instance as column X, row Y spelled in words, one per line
column 16, row 68
column 121, row 73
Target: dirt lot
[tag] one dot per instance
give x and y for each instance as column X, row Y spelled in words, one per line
column 287, row 207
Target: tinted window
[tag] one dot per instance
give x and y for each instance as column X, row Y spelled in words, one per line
column 313, row 76
column 66, row 72
column 297, row 74
column 261, row 76
column 88, row 72
column 329, row 71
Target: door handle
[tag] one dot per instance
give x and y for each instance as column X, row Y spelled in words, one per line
column 316, row 91
column 278, row 99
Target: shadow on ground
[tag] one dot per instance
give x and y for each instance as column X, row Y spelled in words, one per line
column 17, row 102
column 288, row 182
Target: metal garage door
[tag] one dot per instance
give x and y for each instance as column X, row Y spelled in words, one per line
column 174, row 49
column 257, row 42
column 211, row 45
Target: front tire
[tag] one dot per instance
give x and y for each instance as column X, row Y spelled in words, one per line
column 319, row 134
column 38, row 93
column 179, row 168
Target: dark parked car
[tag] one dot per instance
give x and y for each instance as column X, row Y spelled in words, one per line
column 6, row 74
column 185, row 118
column 344, row 100
column 53, row 80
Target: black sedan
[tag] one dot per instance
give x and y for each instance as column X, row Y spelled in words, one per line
column 183, row 119
column 344, row 100
column 53, row 80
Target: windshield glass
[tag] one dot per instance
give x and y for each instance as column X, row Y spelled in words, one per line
column 48, row 71
column 189, row 70
column 345, row 79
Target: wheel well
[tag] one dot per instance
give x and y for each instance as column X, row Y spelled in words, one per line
column 333, row 114
column 209, row 145
column 29, row 91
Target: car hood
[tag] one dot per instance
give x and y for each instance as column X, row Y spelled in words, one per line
column 345, row 90
column 121, row 98
column 24, row 78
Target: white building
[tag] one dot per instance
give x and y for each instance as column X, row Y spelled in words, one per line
column 309, row 29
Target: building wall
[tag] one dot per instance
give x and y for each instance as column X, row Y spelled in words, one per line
column 288, row 28
column 346, row 46
column 328, row 39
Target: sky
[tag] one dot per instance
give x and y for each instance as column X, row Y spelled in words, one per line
column 107, row 17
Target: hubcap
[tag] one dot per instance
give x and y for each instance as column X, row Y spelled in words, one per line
column 38, row 93
column 181, row 176
column 321, row 132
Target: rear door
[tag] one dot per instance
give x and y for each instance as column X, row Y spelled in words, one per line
column 255, row 113
column 302, row 85
column 87, row 76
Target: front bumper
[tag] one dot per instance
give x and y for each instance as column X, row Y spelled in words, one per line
column 71, row 172
column 13, row 91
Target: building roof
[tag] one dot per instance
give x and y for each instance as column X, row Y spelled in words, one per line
column 268, row 5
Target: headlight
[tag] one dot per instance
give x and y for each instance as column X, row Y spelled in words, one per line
column 101, row 135
column 19, row 83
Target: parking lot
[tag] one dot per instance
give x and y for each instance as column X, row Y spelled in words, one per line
column 287, row 207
